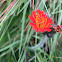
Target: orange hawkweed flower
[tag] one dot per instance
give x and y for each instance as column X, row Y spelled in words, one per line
column 40, row 21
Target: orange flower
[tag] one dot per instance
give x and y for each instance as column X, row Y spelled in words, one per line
column 40, row 21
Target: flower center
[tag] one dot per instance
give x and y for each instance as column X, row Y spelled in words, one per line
column 40, row 22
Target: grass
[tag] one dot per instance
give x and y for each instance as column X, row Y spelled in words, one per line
column 19, row 43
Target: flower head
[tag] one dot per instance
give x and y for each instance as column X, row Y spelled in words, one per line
column 40, row 21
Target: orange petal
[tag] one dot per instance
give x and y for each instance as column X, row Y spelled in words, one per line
column 33, row 14
column 35, row 28
column 42, row 31
column 39, row 12
column 32, row 24
column 31, row 18
column 47, row 29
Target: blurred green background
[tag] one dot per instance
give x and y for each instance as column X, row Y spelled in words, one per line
column 16, row 36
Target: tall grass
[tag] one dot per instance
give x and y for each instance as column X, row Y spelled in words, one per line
column 17, row 37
